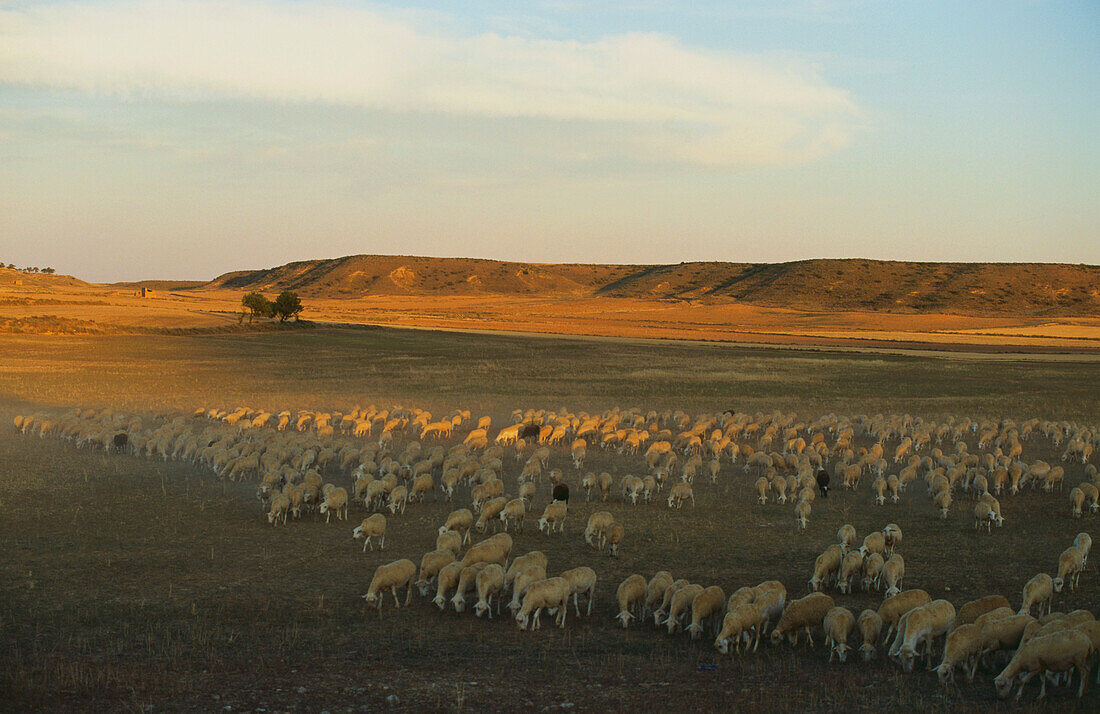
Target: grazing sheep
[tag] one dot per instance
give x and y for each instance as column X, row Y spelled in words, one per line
column 595, row 533
column 490, row 513
column 802, row 514
column 838, row 624
column 872, row 572
column 873, row 543
column 1038, row 591
column 461, row 521
column 850, row 567
column 743, row 620
column 373, row 526
column 943, row 502
column 391, row 576
column 846, row 536
column 280, row 504
column 336, row 501
column 490, row 582
column 655, row 591
column 467, row 584
column 1057, row 652
column 513, row 514
column 582, row 581
column 894, row 608
column 422, row 485
column 919, row 626
column 553, row 517
column 679, row 493
column 631, row 597
column 963, row 647
column 708, row 607
column 615, row 536
column 802, row 614
column 446, row 582
column 604, row 482
column 892, row 535
column 527, row 491
column 430, row 565
column 522, row 581
column 487, row 551
column 974, row 609
column 994, row 614
column 680, row 605
column 449, row 540
column 1083, row 541
column 1070, row 564
column 826, row 567
column 1077, row 501
column 588, row 483
column 869, row 625
column 763, row 486
column 552, row 593
column 892, row 573
column 878, row 486
column 1003, row 633
column 399, row 499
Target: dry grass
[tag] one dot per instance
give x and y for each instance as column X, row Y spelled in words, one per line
column 129, row 582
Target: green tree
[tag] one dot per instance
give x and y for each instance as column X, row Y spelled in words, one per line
column 287, row 305
column 48, row 271
column 257, row 304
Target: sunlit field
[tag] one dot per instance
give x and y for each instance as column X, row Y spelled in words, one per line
column 131, row 581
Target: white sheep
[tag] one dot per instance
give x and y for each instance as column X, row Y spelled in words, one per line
column 553, row 517
column 655, row 591
column 745, row 619
column 1057, row 652
column 595, row 533
column 846, row 536
column 582, row 581
column 446, row 582
column 430, row 565
column 398, row 500
column 707, row 607
column 1083, row 541
column 893, row 571
column 802, row 514
column 461, row 520
column 391, row 576
column 535, row 557
column 850, row 567
column 963, row 646
column 491, row 511
column 919, row 626
column 615, row 536
column 869, row 625
column 680, row 605
column 802, row 614
column 892, row 535
column 373, row 526
column 826, row 567
column 1038, row 591
column 490, row 582
column 551, row 593
column 631, row 596
column 679, row 493
column 467, row 584
column 894, row 608
column 872, row 572
column 838, row 625
column 522, row 581
column 1070, row 564
column 449, row 540
column 336, row 501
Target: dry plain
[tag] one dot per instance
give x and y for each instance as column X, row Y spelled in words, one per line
column 132, row 582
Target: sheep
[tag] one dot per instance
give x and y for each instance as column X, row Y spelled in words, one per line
column 894, row 608
column 974, row 609
column 846, row 536
column 535, row 557
column 595, row 533
column 336, row 501
column 998, row 613
column 805, row 613
column 449, row 540
column 1003, row 633
column 467, row 584
column 1092, row 495
column 892, row 535
column 1077, row 501
column 802, row 514
column 391, row 576
column 422, row 485
column 521, row 581
column 1083, row 541
column 604, row 482
column 963, row 646
column 1070, row 564
column 655, row 591
column 373, row 526
column 446, row 581
column 679, row 493
column 430, row 565
column 490, row 513
column 873, row 543
column 921, row 625
column 1057, row 652
column 763, row 486
column 399, row 499
column 582, row 581
column 278, row 508
column 872, row 572
column 552, row 593
column 631, row 597
column 513, row 514
column 740, row 621
column 772, row 603
column 893, row 485
column 707, row 606
column 878, row 486
column 943, row 502
column 487, row 551
column 838, row 624
column 826, row 566
column 869, row 625
column 850, row 567
column 892, row 573
column 680, row 604
column 461, row 521
column 983, row 515
column 553, row 517
column 490, row 582
column 527, row 491
column 1038, row 591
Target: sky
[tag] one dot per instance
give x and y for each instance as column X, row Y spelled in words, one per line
column 181, row 139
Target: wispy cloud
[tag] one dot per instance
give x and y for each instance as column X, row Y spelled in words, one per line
column 661, row 100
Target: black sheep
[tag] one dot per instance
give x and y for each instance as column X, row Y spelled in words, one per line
column 529, row 430
column 561, row 492
column 120, row 441
column 823, row 483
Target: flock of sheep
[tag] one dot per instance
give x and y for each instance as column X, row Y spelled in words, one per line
column 376, row 460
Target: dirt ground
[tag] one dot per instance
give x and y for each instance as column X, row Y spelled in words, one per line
column 132, row 584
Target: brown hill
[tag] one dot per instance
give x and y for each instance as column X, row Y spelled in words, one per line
column 19, row 277
column 1031, row 289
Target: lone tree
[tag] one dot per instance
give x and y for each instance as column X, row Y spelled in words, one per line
column 257, row 304
column 287, row 305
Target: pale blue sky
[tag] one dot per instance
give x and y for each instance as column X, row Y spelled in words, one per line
column 174, row 139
